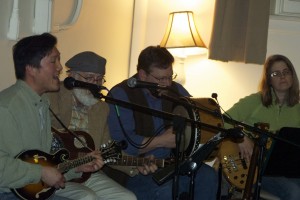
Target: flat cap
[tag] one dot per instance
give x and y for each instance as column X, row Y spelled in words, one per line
column 87, row 61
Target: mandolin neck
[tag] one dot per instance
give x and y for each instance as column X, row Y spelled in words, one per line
column 70, row 164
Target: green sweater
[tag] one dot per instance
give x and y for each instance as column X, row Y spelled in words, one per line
column 24, row 125
column 250, row 110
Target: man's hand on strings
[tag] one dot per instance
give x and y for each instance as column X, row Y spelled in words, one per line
column 96, row 164
column 148, row 168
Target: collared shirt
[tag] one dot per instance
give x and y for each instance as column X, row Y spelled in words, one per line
column 24, row 125
column 79, row 117
column 126, row 116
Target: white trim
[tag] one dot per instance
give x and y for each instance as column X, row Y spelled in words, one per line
column 285, row 9
column 138, row 33
column 14, row 22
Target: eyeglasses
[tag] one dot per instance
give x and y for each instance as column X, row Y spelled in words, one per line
column 166, row 78
column 280, row 74
column 90, row 78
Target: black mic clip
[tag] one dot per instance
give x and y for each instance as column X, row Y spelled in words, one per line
column 235, row 133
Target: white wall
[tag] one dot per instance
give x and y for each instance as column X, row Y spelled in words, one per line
column 232, row 80
column 103, row 27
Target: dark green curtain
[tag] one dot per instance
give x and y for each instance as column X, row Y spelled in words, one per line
column 240, row 31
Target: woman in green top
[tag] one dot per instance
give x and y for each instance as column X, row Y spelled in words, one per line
column 276, row 103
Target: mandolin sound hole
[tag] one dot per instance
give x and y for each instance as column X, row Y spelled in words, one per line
column 78, row 144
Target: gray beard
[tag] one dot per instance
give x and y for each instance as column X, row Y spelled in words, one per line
column 85, row 97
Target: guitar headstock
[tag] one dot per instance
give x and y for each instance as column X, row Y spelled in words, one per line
column 111, row 151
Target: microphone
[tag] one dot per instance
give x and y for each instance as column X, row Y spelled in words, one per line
column 225, row 117
column 134, row 83
column 70, row 83
column 214, row 96
column 218, row 111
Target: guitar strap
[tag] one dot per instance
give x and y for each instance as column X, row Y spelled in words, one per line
column 69, row 131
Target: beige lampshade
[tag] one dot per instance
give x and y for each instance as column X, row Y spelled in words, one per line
column 181, row 31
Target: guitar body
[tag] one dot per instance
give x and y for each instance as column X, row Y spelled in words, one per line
column 39, row 190
column 235, row 169
column 238, row 172
column 75, row 148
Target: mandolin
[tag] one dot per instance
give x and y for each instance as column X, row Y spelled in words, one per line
column 110, row 152
column 59, row 159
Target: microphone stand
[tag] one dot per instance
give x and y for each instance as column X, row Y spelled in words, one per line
column 158, row 113
column 227, row 119
column 260, row 145
column 189, row 166
column 185, row 167
column 260, row 142
column 179, row 126
column 261, row 148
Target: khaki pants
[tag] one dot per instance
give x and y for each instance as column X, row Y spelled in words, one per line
column 98, row 186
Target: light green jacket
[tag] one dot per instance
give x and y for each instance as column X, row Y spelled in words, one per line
column 250, row 110
column 22, row 114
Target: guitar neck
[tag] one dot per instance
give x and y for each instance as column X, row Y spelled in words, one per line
column 70, row 164
column 126, row 160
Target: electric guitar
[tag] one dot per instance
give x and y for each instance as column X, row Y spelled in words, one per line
column 235, row 168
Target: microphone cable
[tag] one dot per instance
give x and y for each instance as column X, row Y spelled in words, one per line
column 133, row 143
column 240, row 128
column 215, row 96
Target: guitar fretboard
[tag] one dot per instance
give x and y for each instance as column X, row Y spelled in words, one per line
column 137, row 161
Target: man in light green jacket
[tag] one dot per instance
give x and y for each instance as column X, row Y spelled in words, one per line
column 25, row 123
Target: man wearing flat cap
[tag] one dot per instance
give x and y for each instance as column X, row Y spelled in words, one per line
column 81, row 112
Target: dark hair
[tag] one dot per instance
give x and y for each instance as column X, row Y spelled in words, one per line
column 265, row 84
column 30, row 51
column 154, row 56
